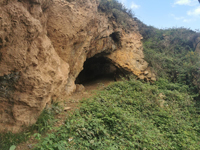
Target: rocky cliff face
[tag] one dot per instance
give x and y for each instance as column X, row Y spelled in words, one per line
column 43, row 47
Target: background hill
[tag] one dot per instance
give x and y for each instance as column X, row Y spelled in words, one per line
column 173, row 54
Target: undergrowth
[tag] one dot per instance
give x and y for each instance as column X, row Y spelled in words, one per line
column 44, row 123
column 172, row 54
column 131, row 115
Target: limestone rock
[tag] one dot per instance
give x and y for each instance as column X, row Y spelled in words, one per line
column 43, row 46
column 80, row 88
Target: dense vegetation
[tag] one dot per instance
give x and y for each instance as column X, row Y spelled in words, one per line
column 171, row 53
column 126, row 115
column 131, row 115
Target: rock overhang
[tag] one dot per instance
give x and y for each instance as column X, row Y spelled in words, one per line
column 45, row 45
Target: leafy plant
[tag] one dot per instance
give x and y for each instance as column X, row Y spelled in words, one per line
column 44, row 123
column 46, row 119
column 12, row 147
column 131, row 115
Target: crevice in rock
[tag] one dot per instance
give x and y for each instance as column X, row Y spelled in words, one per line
column 116, row 38
column 7, row 84
column 0, row 56
column 1, row 43
column 96, row 68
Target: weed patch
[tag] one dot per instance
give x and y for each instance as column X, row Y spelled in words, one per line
column 44, row 123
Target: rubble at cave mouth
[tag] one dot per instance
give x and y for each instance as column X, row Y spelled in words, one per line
column 96, row 68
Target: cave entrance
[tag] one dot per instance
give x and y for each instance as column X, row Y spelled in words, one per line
column 98, row 70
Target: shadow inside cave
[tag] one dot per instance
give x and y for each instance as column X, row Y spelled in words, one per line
column 98, row 70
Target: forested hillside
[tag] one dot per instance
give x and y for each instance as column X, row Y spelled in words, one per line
column 172, row 54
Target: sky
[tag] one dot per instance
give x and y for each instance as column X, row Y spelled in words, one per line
column 166, row 13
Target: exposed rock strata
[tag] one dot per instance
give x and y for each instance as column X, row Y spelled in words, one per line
column 43, row 46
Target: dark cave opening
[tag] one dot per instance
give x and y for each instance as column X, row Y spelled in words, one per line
column 96, row 68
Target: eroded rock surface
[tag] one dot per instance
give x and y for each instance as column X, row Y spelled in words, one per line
column 43, row 46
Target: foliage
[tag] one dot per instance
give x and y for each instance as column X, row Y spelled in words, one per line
column 109, row 5
column 171, row 54
column 131, row 115
column 45, row 122
column 12, row 147
column 46, row 119
column 117, row 10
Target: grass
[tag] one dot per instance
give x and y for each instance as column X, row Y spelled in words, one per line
column 131, row 115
